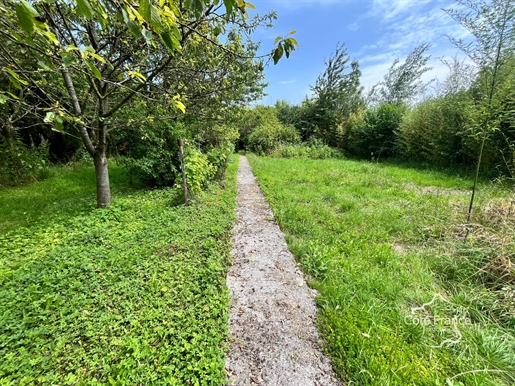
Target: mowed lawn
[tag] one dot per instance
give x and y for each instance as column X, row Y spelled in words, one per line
column 410, row 292
column 131, row 295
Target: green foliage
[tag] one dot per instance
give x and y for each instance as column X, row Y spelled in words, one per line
column 377, row 240
column 131, row 294
column 375, row 134
column 261, row 131
column 314, row 149
column 402, row 83
column 338, row 94
column 199, row 170
column 150, row 151
column 266, row 138
column 433, row 131
column 219, row 157
column 101, row 57
column 21, row 164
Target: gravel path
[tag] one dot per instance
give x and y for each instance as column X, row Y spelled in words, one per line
column 272, row 318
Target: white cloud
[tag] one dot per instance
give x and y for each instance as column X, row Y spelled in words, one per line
column 408, row 24
column 292, row 81
column 354, row 26
column 390, row 9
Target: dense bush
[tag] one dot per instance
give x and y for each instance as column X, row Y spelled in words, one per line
column 314, row 149
column 375, row 134
column 433, row 131
column 151, row 153
column 21, row 164
column 268, row 137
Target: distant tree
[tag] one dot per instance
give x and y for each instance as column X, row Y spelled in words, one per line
column 338, row 94
column 402, row 83
column 492, row 27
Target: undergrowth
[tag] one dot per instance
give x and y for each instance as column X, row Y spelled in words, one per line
column 313, row 150
column 131, row 295
column 410, row 293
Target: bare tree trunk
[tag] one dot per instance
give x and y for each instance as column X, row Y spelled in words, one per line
column 102, row 179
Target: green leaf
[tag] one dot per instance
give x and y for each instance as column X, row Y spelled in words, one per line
column 134, row 28
column 278, row 39
column 68, row 60
column 148, row 35
column 15, row 78
column 94, row 69
column 44, row 65
column 145, row 10
column 58, row 124
column 168, row 41
column 229, row 5
column 3, row 98
column 97, row 57
column 25, row 19
column 50, row 36
column 278, row 53
column 84, row 9
column 29, row 8
column 292, row 41
column 155, row 19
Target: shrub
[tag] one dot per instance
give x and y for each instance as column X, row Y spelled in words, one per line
column 267, row 137
column 433, row 131
column 315, row 149
column 375, row 134
column 21, row 164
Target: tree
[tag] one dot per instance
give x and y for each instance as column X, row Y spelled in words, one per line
column 402, row 83
column 106, row 53
column 492, row 27
column 338, row 93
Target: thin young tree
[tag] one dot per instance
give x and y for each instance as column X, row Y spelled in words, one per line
column 402, row 83
column 492, row 27
column 338, row 93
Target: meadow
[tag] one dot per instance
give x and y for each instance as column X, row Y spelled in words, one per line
column 134, row 294
column 410, row 292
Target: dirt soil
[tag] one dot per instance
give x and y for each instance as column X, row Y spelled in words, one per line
column 272, row 323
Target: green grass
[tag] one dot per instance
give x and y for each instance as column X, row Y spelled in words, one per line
column 70, row 191
column 130, row 295
column 378, row 241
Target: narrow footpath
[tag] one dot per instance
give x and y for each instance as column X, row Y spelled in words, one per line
column 274, row 339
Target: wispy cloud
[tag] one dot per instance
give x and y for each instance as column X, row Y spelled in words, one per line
column 354, row 26
column 292, row 81
column 407, row 24
column 390, row 9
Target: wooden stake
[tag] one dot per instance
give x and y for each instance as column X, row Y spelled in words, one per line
column 183, row 170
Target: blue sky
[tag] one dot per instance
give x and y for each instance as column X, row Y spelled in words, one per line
column 375, row 32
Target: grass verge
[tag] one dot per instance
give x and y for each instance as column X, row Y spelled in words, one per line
column 130, row 295
column 410, row 294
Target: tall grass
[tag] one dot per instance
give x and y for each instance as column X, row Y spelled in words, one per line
column 379, row 242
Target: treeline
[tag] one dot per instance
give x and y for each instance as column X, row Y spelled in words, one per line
column 468, row 119
column 96, row 79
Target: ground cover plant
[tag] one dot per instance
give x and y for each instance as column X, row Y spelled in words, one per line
column 410, row 293
column 133, row 294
